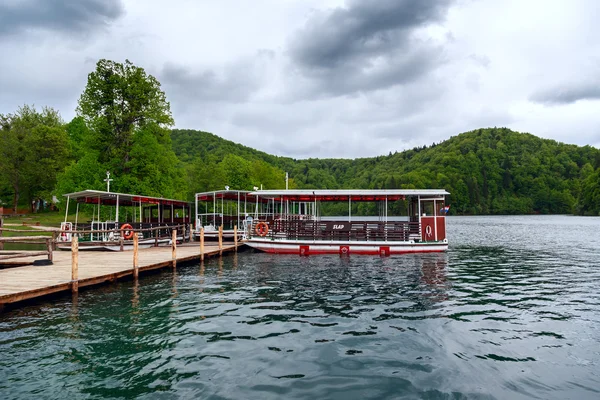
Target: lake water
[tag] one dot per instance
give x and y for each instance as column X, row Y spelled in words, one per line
column 511, row 311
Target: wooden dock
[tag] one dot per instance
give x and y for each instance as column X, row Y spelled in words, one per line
column 93, row 268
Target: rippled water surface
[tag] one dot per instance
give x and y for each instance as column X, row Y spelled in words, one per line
column 511, row 311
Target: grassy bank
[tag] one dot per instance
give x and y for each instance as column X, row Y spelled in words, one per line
column 50, row 218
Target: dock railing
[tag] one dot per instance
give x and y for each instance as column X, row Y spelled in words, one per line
column 340, row 230
column 118, row 235
column 29, row 240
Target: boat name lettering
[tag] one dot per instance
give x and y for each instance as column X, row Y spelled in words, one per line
column 338, row 226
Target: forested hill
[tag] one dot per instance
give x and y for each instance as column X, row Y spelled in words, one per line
column 487, row 171
column 190, row 145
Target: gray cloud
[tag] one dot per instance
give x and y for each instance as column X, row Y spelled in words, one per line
column 367, row 45
column 568, row 93
column 59, row 15
column 234, row 83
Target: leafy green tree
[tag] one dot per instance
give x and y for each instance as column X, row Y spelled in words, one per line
column 119, row 99
column 123, row 127
column 589, row 201
column 34, row 150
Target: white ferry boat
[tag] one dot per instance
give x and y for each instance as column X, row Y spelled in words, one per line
column 294, row 222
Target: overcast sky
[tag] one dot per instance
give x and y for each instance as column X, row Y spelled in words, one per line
column 322, row 78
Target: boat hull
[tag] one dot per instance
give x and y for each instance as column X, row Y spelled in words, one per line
column 345, row 247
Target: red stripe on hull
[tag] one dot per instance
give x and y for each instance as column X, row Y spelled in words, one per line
column 357, row 252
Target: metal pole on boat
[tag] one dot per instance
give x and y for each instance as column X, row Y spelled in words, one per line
column 67, row 208
column 349, row 208
column 76, row 215
column 117, row 213
column 435, row 219
column 386, row 209
column 419, row 214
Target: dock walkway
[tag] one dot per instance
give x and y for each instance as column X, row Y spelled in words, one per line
column 31, row 281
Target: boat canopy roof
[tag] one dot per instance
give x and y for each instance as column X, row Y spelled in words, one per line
column 124, row 199
column 225, row 194
column 345, row 195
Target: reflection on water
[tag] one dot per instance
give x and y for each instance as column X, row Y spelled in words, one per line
column 511, row 311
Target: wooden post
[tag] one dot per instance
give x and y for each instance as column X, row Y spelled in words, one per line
column 49, row 248
column 54, row 240
column 156, row 238
column 235, row 242
column 136, row 264
column 220, row 239
column 121, row 244
column 174, row 247
column 74, row 264
column 1, row 231
column 201, row 244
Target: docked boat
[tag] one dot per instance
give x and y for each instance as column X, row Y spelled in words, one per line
column 378, row 222
column 226, row 208
column 116, row 216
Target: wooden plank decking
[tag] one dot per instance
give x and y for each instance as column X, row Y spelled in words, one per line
column 95, row 267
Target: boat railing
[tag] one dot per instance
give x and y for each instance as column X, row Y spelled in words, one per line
column 228, row 221
column 115, row 232
column 297, row 229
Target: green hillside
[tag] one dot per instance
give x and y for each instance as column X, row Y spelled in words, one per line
column 488, row 171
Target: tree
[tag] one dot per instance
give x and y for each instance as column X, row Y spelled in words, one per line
column 117, row 100
column 123, row 127
column 34, row 150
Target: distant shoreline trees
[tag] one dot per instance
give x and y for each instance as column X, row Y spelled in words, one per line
column 34, row 148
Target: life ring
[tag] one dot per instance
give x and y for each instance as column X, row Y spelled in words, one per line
column 261, row 229
column 126, row 231
column 428, row 230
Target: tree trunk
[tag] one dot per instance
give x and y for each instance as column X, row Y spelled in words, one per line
column 15, row 198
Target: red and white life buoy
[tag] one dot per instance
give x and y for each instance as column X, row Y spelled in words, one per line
column 262, row 229
column 126, row 231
